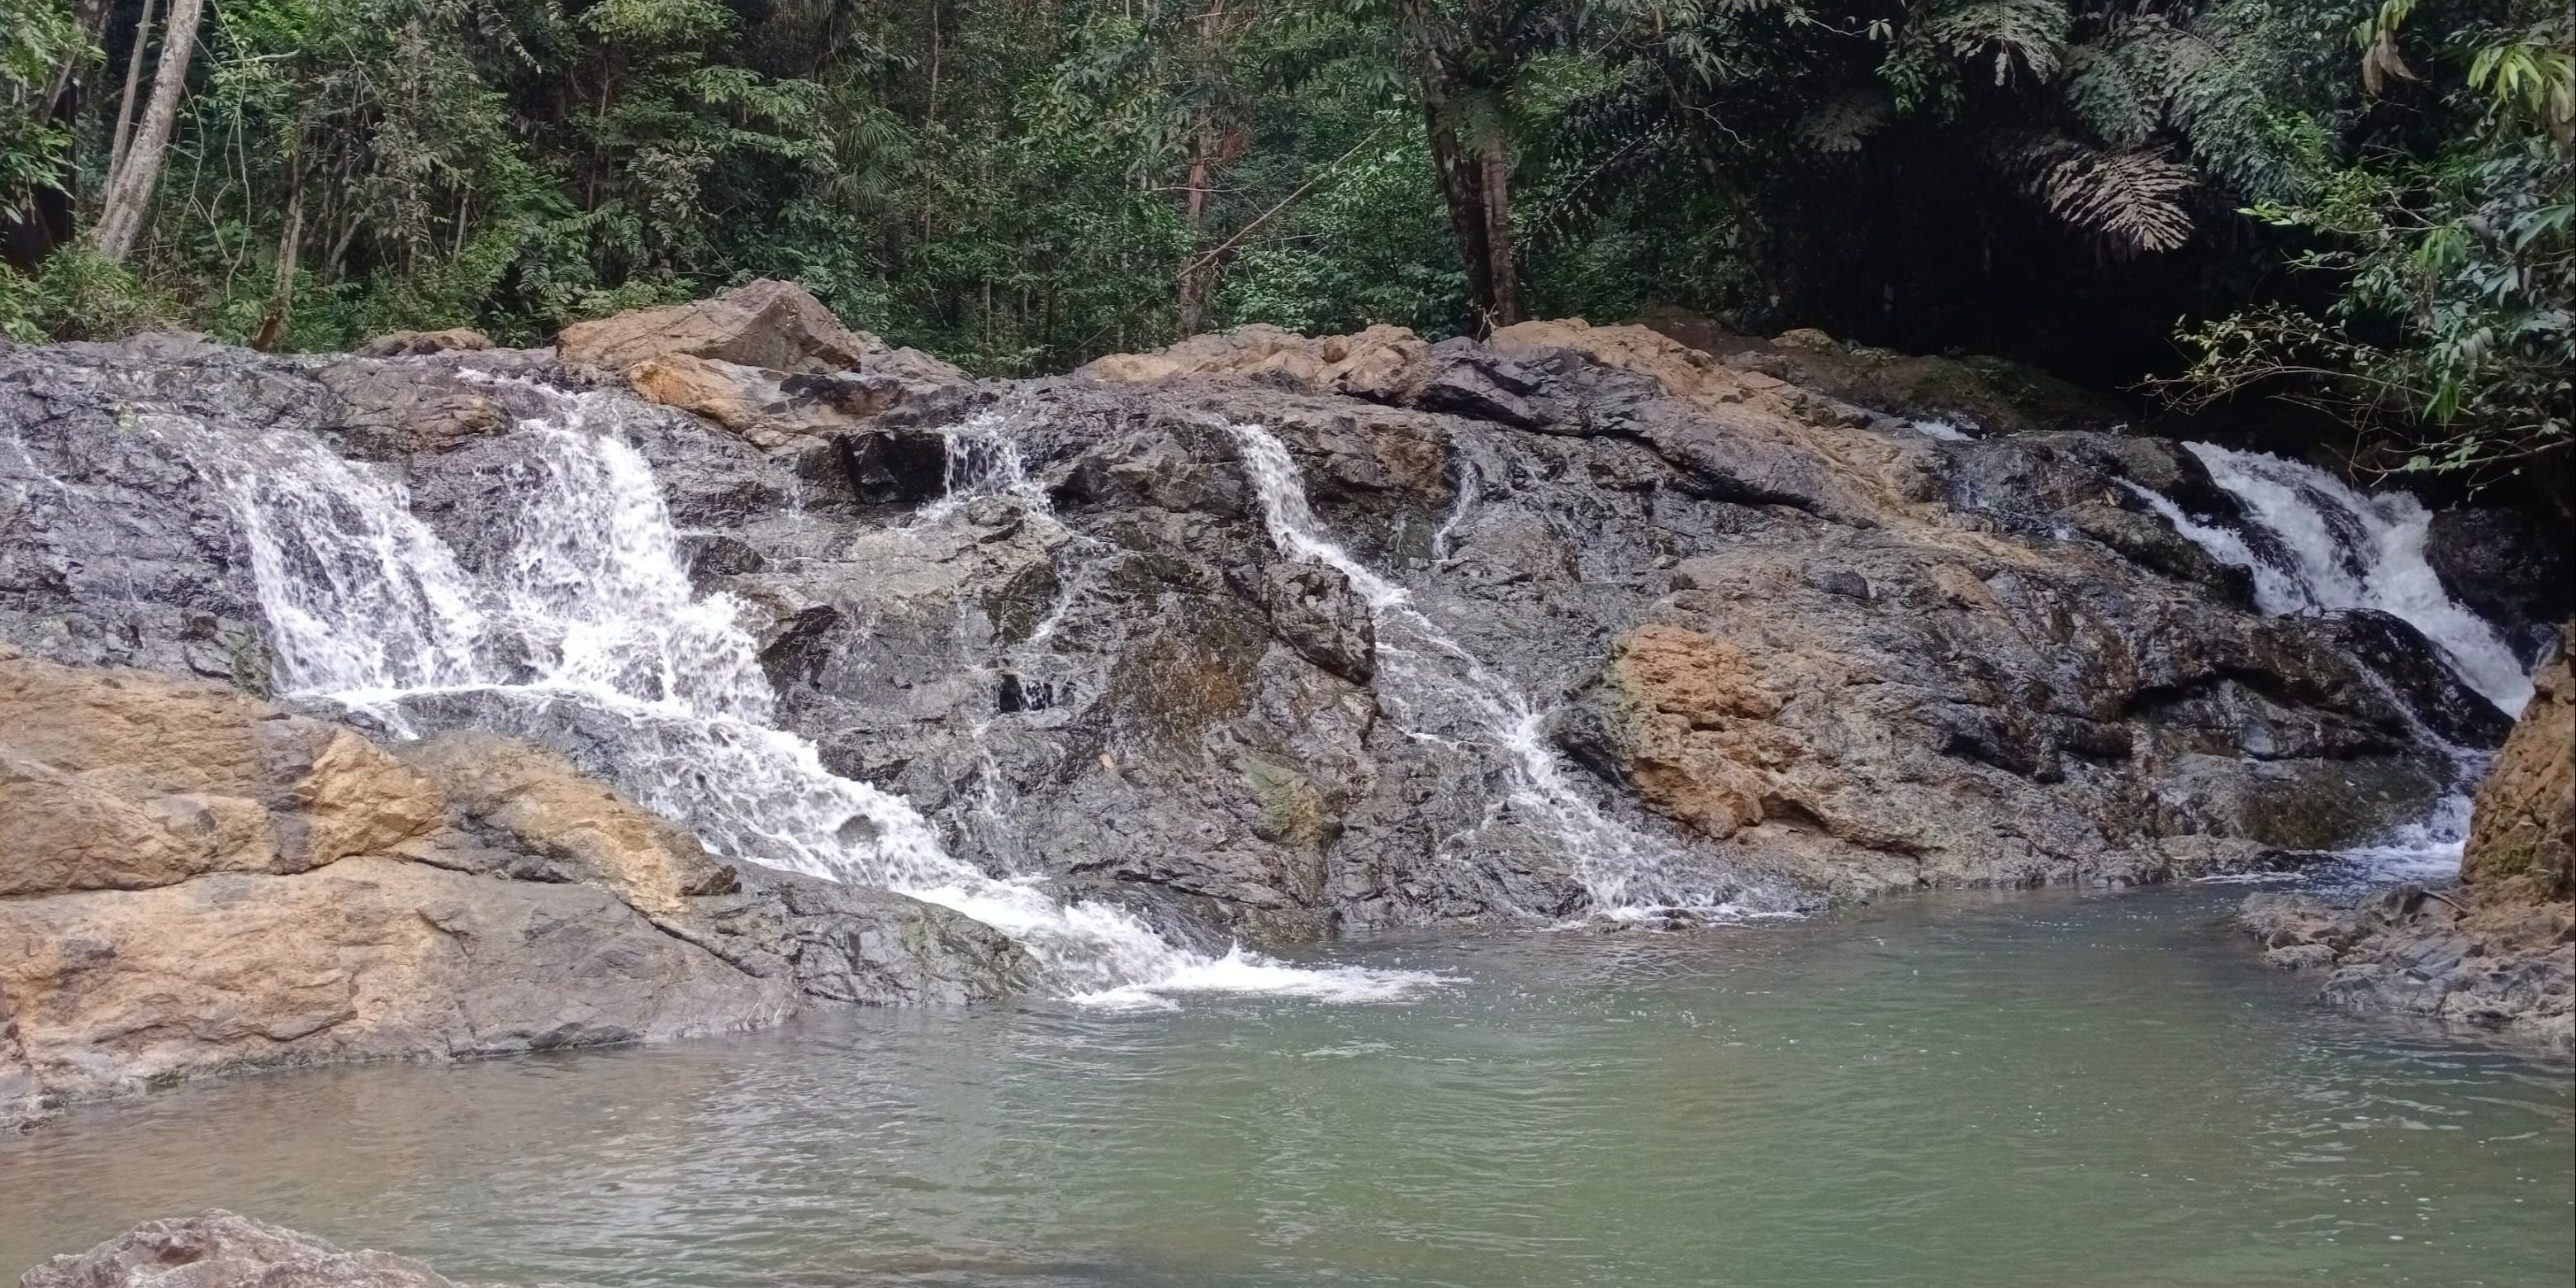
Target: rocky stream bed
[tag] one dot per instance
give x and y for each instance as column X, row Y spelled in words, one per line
column 723, row 664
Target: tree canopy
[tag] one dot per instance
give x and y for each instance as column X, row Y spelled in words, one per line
column 2361, row 206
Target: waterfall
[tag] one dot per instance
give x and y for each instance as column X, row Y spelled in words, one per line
column 1426, row 680
column 2314, row 544
column 580, row 627
column 2320, row 546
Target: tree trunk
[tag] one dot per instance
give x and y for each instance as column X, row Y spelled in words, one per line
column 1462, row 194
column 281, row 296
column 133, row 82
column 1193, row 286
column 129, row 190
column 1504, row 308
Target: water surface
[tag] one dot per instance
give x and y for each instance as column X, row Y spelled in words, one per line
column 2023, row 1090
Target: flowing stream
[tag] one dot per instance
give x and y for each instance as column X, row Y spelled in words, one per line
column 2316, row 545
column 2313, row 544
column 582, row 625
column 1624, row 872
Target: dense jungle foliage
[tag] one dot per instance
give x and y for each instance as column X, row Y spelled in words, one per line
column 2362, row 205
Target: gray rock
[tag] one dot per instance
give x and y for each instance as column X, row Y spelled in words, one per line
column 218, row 1249
column 1984, row 666
column 1315, row 611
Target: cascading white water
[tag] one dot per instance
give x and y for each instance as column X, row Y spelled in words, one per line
column 582, row 624
column 1423, row 673
column 2316, row 545
column 2334, row 549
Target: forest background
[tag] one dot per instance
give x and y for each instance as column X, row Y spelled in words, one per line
column 2360, row 206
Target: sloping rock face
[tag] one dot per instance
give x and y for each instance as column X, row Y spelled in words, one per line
column 2501, row 950
column 194, row 881
column 1775, row 639
column 218, row 1249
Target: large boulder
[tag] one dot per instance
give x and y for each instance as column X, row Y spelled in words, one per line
column 2522, row 830
column 767, row 361
column 771, row 324
column 196, row 881
column 218, row 1249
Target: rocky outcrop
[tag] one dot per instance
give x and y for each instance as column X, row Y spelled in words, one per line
column 2510, row 566
column 1772, row 631
column 767, row 361
column 2500, row 949
column 194, row 881
column 218, row 1249
column 2522, row 833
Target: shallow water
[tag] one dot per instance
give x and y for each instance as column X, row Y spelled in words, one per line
column 2025, row 1090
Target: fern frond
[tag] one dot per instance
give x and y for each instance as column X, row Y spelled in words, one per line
column 2123, row 85
column 2128, row 202
column 2030, row 33
column 1840, row 123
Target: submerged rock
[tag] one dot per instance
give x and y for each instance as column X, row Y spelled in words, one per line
column 218, row 1249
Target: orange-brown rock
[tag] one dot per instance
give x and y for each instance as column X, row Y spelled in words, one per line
column 195, row 881
column 124, row 780
column 767, row 361
column 538, row 799
column 768, row 323
column 2522, row 834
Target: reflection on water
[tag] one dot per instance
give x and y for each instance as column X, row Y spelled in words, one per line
column 2033, row 1090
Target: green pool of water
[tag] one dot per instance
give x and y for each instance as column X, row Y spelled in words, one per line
column 2025, row 1090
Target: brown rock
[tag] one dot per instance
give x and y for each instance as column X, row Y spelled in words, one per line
column 1381, row 364
column 217, row 1249
column 166, row 911
column 2522, row 832
column 538, row 799
column 768, row 323
column 115, row 991
column 1683, row 672
column 1694, row 708
column 413, row 344
column 766, row 361
column 766, row 411
column 126, row 779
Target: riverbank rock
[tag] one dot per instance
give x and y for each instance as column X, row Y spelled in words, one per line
column 1496, row 611
column 2500, row 950
column 218, row 1249
column 197, row 882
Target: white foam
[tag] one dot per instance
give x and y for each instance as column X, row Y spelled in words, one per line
column 2341, row 550
column 580, row 623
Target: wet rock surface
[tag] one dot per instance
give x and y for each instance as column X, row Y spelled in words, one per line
column 219, row 1249
column 2498, row 951
column 1776, row 636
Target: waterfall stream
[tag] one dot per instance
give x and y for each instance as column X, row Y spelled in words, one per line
column 1421, row 671
column 584, row 629
column 2314, row 544
column 2324, row 547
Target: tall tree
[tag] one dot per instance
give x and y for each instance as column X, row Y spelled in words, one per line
column 130, row 186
